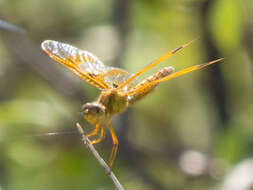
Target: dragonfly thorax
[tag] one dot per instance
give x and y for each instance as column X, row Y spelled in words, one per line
column 113, row 101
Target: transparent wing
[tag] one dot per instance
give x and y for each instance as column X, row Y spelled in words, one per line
column 149, row 84
column 86, row 65
column 83, row 63
column 114, row 77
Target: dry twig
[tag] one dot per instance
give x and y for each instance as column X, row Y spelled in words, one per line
column 107, row 169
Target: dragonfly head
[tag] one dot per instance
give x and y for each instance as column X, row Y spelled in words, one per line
column 94, row 113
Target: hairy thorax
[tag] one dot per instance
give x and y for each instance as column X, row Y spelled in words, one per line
column 108, row 104
column 113, row 101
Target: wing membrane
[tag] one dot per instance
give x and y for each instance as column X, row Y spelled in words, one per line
column 114, row 77
column 87, row 66
column 83, row 63
column 141, row 88
column 159, row 60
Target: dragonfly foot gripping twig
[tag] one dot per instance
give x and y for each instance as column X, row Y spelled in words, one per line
column 107, row 169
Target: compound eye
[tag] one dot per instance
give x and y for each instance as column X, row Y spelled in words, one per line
column 86, row 111
column 97, row 109
column 91, row 109
column 86, row 107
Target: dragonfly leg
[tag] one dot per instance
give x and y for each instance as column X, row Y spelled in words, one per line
column 94, row 132
column 101, row 137
column 115, row 145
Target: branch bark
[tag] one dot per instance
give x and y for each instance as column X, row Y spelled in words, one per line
column 100, row 160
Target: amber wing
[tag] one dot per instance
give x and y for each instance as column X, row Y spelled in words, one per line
column 83, row 63
column 86, row 65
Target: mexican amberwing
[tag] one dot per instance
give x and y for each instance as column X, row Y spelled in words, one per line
column 118, row 87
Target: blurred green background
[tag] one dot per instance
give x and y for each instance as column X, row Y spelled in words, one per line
column 193, row 132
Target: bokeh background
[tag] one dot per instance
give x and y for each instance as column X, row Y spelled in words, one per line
column 193, row 132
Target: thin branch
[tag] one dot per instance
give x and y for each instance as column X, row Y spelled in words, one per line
column 107, row 169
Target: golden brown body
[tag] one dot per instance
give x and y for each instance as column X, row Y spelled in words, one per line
column 118, row 87
column 114, row 102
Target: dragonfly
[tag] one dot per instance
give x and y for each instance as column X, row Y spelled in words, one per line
column 119, row 88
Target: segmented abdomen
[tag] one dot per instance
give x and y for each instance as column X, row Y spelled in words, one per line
column 145, row 87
